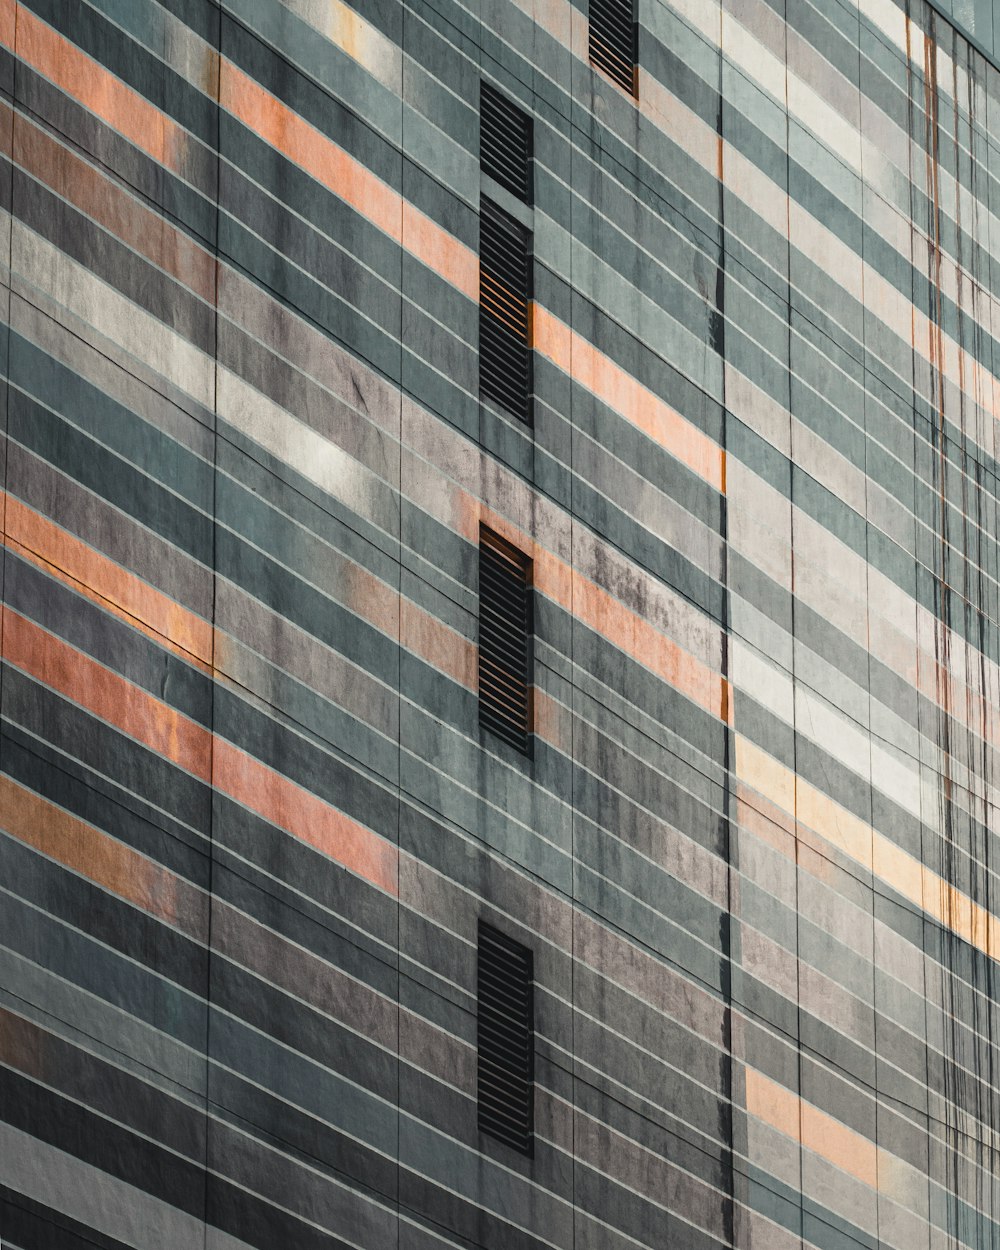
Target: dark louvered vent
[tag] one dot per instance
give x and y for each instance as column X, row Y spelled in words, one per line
column 504, row 311
column 505, row 142
column 613, row 40
column 506, row 1039
column 505, row 628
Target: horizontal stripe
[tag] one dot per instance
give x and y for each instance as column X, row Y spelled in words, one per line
column 150, row 721
column 752, row 849
column 104, row 95
column 108, row 863
column 284, row 130
column 85, row 1192
column 817, row 814
column 266, row 115
column 92, row 574
column 613, row 385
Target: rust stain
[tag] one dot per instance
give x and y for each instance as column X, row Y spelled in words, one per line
column 943, row 905
column 349, row 32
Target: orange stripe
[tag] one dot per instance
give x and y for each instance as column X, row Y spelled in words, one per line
column 284, row 803
column 629, row 632
column 152, row 723
column 819, row 1132
column 443, row 648
column 347, row 178
column 320, row 157
column 617, row 388
column 112, row 207
column 100, row 579
column 132, row 710
column 100, row 858
column 553, row 721
column 8, row 20
column 95, row 576
column 774, row 1104
column 106, row 96
column 404, row 621
column 86, row 593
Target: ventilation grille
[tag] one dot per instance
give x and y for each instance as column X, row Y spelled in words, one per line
column 613, row 40
column 505, row 142
column 505, row 1039
column 504, row 301
column 505, row 628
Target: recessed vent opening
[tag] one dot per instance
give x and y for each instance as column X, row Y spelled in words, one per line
column 613, row 40
column 505, row 142
column 505, row 374
column 505, row 1035
column 505, row 630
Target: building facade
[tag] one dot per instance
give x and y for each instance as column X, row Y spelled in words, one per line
column 500, row 635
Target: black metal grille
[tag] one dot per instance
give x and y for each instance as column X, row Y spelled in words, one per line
column 504, row 311
column 505, row 142
column 506, row 1040
column 613, row 40
column 505, row 629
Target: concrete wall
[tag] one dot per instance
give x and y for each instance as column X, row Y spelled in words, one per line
column 249, row 819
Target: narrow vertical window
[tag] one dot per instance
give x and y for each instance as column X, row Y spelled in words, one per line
column 504, row 311
column 613, row 40
column 505, row 142
column 505, row 651
column 506, row 1039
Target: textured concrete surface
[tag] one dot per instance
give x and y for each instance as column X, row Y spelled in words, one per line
column 249, row 819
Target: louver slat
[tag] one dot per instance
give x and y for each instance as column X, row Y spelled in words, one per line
column 505, row 628
column 505, row 142
column 504, row 312
column 613, row 40
column 505, row 1038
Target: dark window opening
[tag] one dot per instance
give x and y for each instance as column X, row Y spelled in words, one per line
column 505, row 142
column 505, row 1039
column 613, row 41
column 505, row 368
column 505, row 637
